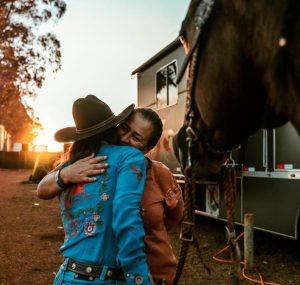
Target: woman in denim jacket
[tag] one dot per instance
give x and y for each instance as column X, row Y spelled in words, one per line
column 104, row 235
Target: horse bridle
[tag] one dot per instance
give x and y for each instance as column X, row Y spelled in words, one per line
column 202, row 13
column 186, row 234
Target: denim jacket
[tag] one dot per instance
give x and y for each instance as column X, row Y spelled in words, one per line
column 102, row 220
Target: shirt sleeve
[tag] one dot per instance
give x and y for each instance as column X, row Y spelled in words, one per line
column 171, row 192
column 127, row 222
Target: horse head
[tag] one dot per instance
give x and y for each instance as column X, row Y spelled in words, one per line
column 241, row 76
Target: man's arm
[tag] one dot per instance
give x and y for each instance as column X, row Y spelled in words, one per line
column 78, row 172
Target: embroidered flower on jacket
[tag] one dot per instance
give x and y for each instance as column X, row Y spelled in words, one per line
column 66, row 236
column 74, row 232
column 78, row 189
column 104, row 196
column 89, row 228
column 96, row 217
column 138, row 279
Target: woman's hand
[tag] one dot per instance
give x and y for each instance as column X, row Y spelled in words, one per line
column 83, row 169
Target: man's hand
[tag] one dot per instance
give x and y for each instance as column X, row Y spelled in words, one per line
column 82, row 170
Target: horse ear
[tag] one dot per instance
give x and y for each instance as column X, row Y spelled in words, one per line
column 180, row 147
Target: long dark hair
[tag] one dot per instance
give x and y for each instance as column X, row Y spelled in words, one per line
column 83, row 148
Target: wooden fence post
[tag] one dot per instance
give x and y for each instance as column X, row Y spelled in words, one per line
column 248, row 240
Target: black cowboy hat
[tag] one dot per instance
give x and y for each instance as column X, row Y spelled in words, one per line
column 92, row 116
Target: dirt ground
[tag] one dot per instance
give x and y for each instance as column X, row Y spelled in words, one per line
column 31, row 234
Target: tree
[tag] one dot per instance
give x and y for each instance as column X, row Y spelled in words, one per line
column 19, row 119
column 25, row 53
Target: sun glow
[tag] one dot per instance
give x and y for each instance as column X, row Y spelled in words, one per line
column 45, row 142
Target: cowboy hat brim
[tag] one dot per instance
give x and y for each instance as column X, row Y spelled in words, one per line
column 71, row 134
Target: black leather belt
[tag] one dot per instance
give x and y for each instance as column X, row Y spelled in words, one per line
column 88, row 271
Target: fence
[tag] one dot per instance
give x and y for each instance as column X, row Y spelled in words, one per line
column 27, row 159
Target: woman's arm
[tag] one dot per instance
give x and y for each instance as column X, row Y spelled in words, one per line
column 79, row 171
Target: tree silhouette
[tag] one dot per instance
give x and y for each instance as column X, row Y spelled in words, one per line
column 25, row 53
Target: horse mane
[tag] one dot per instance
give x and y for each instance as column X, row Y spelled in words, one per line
column 283, row 60
column 193, row 6
column 189, row 15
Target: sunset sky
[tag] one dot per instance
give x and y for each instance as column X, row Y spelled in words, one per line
column 102, row 42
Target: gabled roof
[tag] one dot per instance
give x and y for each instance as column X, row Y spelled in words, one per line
column 170, row 47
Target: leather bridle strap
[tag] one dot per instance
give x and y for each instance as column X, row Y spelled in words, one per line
column 188, row 57
column 202, row 13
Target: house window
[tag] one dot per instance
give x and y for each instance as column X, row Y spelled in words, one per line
column 166, row 87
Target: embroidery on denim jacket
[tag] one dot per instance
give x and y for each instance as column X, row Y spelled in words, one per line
column 88, row 219
column 139, row 173
column 85, row 219
column 103, row 195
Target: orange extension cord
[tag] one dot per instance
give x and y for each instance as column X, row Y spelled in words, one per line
column 260, row 281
